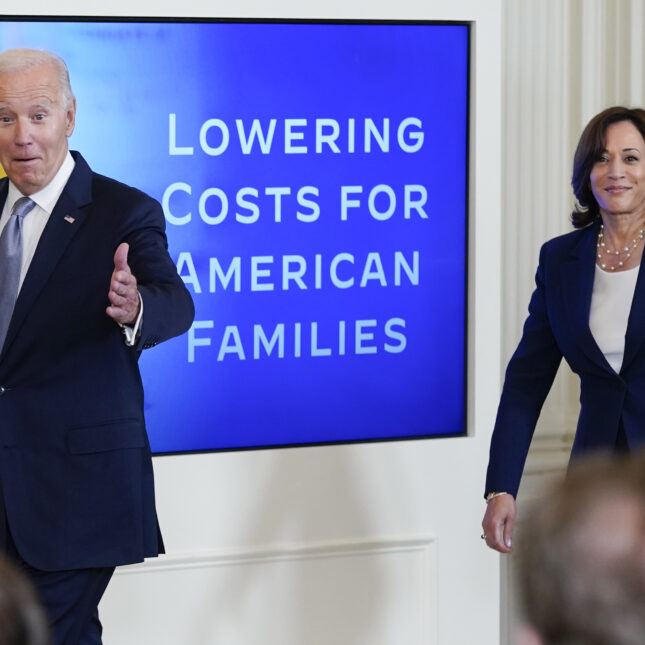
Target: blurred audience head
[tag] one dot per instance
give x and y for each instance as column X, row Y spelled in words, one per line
column 581, row 557
column 22, row 618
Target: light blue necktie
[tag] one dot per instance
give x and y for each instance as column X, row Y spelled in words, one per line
column 10, row 262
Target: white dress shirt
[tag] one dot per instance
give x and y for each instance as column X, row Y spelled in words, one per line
column 34, row 222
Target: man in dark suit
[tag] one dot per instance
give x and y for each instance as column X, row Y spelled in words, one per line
column 96, row 286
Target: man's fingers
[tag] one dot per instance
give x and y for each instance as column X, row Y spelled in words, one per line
column 121, row 257
column 123, row 284
column 119, row 300
column 123, row 295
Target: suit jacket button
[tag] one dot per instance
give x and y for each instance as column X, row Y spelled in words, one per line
column 3, row 389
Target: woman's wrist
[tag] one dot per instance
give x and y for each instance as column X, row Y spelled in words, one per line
column 494, row 494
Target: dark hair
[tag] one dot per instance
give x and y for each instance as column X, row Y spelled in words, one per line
column 590, row 147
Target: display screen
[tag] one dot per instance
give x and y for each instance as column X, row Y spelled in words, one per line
column 314, row 180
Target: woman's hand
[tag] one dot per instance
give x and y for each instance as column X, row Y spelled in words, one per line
column 498, row 522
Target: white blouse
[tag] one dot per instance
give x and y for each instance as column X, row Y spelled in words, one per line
column 611, row 302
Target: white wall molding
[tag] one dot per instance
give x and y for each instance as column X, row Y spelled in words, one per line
column 314, row 593
column 637, row 28
column 549, row 455
column 425, row 547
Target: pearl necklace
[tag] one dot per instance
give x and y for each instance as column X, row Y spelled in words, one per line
column 602, row 248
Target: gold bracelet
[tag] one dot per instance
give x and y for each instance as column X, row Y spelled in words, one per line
column 493, row 495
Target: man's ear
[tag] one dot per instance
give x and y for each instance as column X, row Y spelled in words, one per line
column 70, row 118
column 526, row 635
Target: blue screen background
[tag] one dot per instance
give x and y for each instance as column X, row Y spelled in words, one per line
column 129, row 77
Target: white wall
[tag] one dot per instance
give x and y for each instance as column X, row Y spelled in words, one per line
column 347, row 545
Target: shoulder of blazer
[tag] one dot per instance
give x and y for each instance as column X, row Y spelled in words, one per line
column 85, row 186
column 569, row 244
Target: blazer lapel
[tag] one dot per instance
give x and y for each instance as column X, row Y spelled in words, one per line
column 576, row 279
column 66, row 218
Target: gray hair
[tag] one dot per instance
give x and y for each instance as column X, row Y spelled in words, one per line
column 19, row 60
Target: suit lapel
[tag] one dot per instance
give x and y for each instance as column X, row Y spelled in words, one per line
column 4, row 191
column 576, row 279
column 66, row 219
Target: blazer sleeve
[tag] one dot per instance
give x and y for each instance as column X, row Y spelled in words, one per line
column 168, row 308
column 529, row 376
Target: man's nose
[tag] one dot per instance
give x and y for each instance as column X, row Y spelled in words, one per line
column 22, row 132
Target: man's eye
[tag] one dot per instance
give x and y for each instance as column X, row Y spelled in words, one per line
column 39, row 117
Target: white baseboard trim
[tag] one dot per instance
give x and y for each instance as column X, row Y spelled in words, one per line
column 333, row 549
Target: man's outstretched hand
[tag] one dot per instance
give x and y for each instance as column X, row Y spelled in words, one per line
column 123, row 294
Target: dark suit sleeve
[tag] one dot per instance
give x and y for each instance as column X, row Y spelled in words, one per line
column 167, row 306
column 529, row 376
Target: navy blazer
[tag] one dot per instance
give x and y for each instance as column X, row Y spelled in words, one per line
column 557, row 326
column 75, row 464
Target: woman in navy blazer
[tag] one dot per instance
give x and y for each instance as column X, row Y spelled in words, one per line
column 584, row 279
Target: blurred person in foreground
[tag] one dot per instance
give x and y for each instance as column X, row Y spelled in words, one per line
column 588, row 307
column 581, row 557
column 22, row 618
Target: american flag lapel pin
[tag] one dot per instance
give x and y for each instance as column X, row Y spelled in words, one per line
column 69, row 219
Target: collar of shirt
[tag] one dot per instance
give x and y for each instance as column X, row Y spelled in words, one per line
column 34, row 225
column 47, row 197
